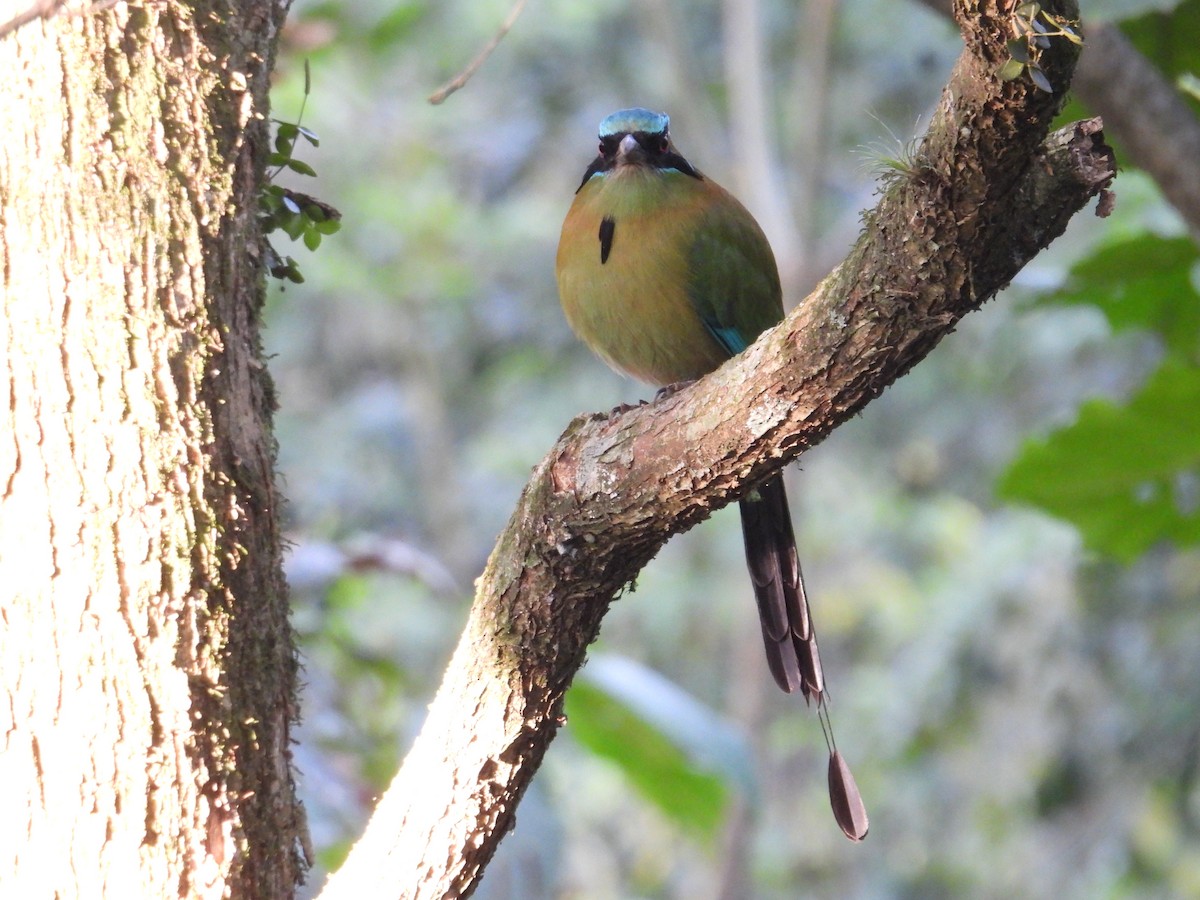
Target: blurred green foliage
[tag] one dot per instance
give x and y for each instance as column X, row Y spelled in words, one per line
column 1147, row 282
column 1128, row 474
column 1167, row 36
column 676, row 751
column 1019, row 712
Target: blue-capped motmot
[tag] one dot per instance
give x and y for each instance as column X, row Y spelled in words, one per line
column 665, row 275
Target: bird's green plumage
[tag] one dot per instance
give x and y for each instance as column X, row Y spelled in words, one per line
column 665, row 275
column 689, row 278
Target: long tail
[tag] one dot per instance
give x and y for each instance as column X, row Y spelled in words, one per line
column 779, row 590
column 788, row 632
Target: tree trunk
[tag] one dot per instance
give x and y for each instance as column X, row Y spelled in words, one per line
column 148, row 666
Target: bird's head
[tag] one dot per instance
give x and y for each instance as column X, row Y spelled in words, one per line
column 637, row 139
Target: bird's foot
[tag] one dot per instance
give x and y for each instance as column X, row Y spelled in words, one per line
column 669, row 389
column 665, row 391
column 625, row 407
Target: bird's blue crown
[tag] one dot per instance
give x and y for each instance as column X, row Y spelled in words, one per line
column 630, row 121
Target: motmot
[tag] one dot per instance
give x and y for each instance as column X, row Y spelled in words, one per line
column 665, row 275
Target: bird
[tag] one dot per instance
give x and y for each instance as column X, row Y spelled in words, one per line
column 665, row 276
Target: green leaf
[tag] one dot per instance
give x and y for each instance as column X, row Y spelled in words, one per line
column 1127, row 476
column 1069, row 33
column 1146, row 282
column 679, row 754
column 300, row 167
column 328, row 226
column 312, row 238
column 292, row 226
column 1039, row 78
column 292, row 272
column 1018, row 49
column 285, row 136
column 1189, row 84
column 1011, row 70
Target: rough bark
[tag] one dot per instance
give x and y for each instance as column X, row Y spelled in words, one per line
column 1144, row 114
column 987, row 190
column 148, row 670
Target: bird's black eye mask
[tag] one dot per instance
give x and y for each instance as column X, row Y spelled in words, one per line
column 657, row 147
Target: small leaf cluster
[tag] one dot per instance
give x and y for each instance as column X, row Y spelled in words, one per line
column 297, row 215
column 1032, row 29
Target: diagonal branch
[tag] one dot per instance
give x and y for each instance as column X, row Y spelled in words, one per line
column 988, row 190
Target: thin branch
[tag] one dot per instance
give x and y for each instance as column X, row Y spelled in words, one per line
column 42, row 9
column 464, row 76
column 987, row 191
column 50, row 9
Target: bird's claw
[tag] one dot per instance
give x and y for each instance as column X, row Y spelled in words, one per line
column 664, row 391
column 625, row 407
column 675, row 386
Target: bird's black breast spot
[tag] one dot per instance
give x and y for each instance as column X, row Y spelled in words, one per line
column 608, row 229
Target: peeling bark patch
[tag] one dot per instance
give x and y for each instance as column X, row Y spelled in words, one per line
column 767, row 414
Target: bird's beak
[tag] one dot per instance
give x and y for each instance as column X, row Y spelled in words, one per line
column 628, row 150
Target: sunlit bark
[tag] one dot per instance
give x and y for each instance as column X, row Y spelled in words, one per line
column 146, row 662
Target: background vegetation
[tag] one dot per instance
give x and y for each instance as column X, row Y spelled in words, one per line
column 1019, row 695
